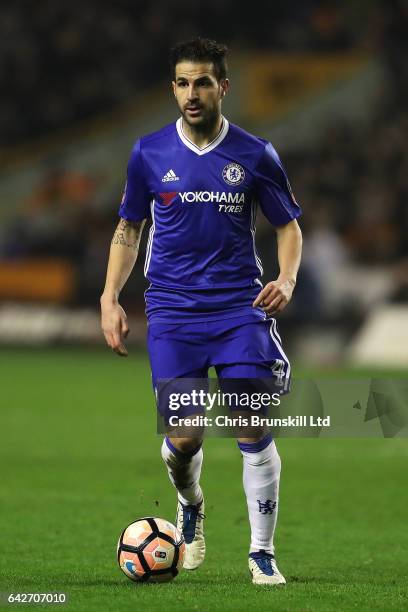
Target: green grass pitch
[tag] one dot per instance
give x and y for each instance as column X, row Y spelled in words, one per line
column 80, row 460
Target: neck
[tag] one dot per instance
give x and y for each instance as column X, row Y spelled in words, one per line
column 201, row 136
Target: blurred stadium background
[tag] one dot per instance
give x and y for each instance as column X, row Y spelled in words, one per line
column 326, row 82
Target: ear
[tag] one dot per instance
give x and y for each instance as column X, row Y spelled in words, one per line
column 225, row 85
column 173, row 84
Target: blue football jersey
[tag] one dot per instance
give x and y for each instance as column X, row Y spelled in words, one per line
column 201, row 258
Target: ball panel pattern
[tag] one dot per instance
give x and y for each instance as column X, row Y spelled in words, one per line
column 151, row 550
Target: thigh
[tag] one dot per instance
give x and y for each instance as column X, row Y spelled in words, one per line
column 252, row 350
column 179, row 366
column 176, row 351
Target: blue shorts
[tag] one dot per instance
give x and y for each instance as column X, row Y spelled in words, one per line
column 237, row 348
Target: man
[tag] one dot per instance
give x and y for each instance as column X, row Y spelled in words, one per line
column 200, row 180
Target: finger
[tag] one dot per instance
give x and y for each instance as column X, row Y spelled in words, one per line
column 282, row 305
column 274, row 294
column 125, row 328
column 273, row 306
column 259, row 298
column 117, row 340
column 108, row 338
column 116, row 337
column 117, row 344
column 269, row 292
column 121, row 350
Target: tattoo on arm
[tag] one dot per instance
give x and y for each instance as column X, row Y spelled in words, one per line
column 128, row 233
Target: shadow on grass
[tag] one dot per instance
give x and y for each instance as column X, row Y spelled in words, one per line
column 185, row 581
column 59, row 583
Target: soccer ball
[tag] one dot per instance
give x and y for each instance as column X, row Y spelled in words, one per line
column 151, row 550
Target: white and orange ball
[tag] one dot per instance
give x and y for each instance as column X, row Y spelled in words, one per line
column 151, row 550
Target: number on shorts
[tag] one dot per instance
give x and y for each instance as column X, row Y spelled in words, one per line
column 278, row 370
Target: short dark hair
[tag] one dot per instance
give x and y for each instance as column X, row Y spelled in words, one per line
column 201, row 50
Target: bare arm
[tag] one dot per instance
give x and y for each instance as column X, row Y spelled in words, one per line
column 122, row 258
column 276, row 295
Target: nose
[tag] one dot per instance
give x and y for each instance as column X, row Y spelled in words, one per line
column 191, row 93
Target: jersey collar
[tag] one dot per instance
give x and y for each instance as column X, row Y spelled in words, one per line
column 211, row 145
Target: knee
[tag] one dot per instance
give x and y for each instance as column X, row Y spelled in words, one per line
column 185, row 445
column 260, row 452
column 259, row 434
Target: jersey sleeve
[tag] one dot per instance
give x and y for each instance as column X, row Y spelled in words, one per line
column 135, row 204
column 273, row 190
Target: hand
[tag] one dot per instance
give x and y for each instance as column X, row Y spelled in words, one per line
column 275, row 296
column 114, row 325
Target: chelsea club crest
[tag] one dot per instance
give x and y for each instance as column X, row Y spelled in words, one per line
column 233, row 174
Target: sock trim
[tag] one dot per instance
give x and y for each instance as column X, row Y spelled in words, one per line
column 178, row 452
column 255, row 447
